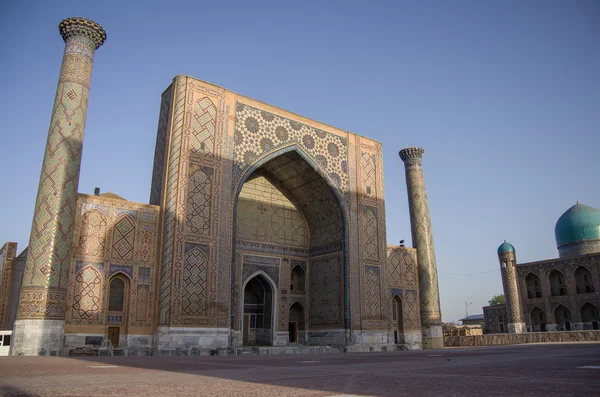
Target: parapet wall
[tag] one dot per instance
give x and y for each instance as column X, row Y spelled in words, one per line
column 515, row 339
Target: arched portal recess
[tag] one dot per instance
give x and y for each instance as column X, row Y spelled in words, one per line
column 258, row 312
column 286, row 213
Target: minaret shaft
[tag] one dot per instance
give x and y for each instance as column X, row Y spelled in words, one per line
column 42, row 305
column 422, row 237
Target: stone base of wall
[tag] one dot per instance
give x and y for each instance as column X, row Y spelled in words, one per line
column 412, row 340
column 517, row 328
column 433, row 337
column 372, row 337
column 331, row 337
column 515, row 339
column 38, row 338
column 168, row 340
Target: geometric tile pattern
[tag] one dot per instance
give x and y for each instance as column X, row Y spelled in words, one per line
column 123, row 238
column 371, row 243
column 372, row 303
column 411, row 309
column 160, row 149
column 258, row 132
column 326, row 292
column 92, row 242
column 48, row 259
column 422, row 237
column 264, row 214
column 142, row 303
column 202, row 139
column 198, row 203
column 194, row 283
column 170, row 205
column 368, row 174
column 86, row 300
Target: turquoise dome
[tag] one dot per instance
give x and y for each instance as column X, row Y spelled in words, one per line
column 578, row 223
column 506, row 247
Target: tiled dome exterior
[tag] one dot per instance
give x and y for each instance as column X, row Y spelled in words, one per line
column 577, row 231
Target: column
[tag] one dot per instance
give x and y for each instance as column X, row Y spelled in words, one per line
column 422, row 237
column 39, row 328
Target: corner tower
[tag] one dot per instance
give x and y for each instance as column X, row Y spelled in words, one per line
column 508, row 268
column 39, row 328
column 422, row 238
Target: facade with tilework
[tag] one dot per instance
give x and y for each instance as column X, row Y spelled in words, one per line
column 561, row 294
column 264, row 228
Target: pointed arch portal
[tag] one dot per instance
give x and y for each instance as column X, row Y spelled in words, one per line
column 286, row 209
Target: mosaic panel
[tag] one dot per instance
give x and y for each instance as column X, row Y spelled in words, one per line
column 142, row 303
column 326, row 292
column 372, row 304
column 258, row 132
column 164, row 122
column 251, row 268
column 86, row 300
column 197, row 218
column 202, row 140
column 371, row 234
column 92, row 239
column 411, row 309
column 128, row 270
column 123, row 237
column 369, row 173
column 264, row 214
column 394, row 266
column 195, row 280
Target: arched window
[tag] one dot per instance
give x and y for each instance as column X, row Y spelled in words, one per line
column 589, row 316
column 557, row 284
column 538, row 319
column 562, row 316
column 532, row 283
column 116, row 300
column 297, row 279
column 583, row 281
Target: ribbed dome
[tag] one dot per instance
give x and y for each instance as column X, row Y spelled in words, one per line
column 111, row 195
column 506, row 247
column 578, row 223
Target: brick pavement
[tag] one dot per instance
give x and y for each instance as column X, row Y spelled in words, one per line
column 524, row 370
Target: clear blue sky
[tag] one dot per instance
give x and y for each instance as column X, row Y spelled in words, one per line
column 503, row 95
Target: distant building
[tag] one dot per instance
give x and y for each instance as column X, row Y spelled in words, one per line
column 473, row 319
column 557, row 294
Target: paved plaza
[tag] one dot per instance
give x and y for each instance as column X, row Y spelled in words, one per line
column 523, row 370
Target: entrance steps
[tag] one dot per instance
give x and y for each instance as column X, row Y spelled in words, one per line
column 117, row 351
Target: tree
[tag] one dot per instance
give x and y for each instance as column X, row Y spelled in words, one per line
column 497, row 300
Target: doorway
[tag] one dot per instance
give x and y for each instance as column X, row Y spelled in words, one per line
column 258, row 312
column 113, row 335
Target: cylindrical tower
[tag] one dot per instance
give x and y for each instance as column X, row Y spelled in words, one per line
column 422, row 237
column 39, row 328
column 508, row 268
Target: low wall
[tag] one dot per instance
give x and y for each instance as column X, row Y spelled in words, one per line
column 515, row 339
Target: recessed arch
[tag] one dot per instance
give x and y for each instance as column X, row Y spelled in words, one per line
column 562, row 317
column 537, row 318
column 590, row 315
column 340, row 202
column 297, row 280
column 533, row 286
column 258, row 309
column 583, row 280
column 558, row 286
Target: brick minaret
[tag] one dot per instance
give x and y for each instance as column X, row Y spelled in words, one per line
column 508, row 267
column 39, row 328
column 422, row 238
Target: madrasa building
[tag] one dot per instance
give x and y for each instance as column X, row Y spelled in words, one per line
column 559, row 294
column 263, row 228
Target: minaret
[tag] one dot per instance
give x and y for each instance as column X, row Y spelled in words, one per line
column 508, row 268
column 39, row 328
column 422, row 237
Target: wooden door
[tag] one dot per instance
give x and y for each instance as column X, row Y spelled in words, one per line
column 113, row 335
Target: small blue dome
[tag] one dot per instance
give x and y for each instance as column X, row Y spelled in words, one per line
column 578, row 223
column 506, row 247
